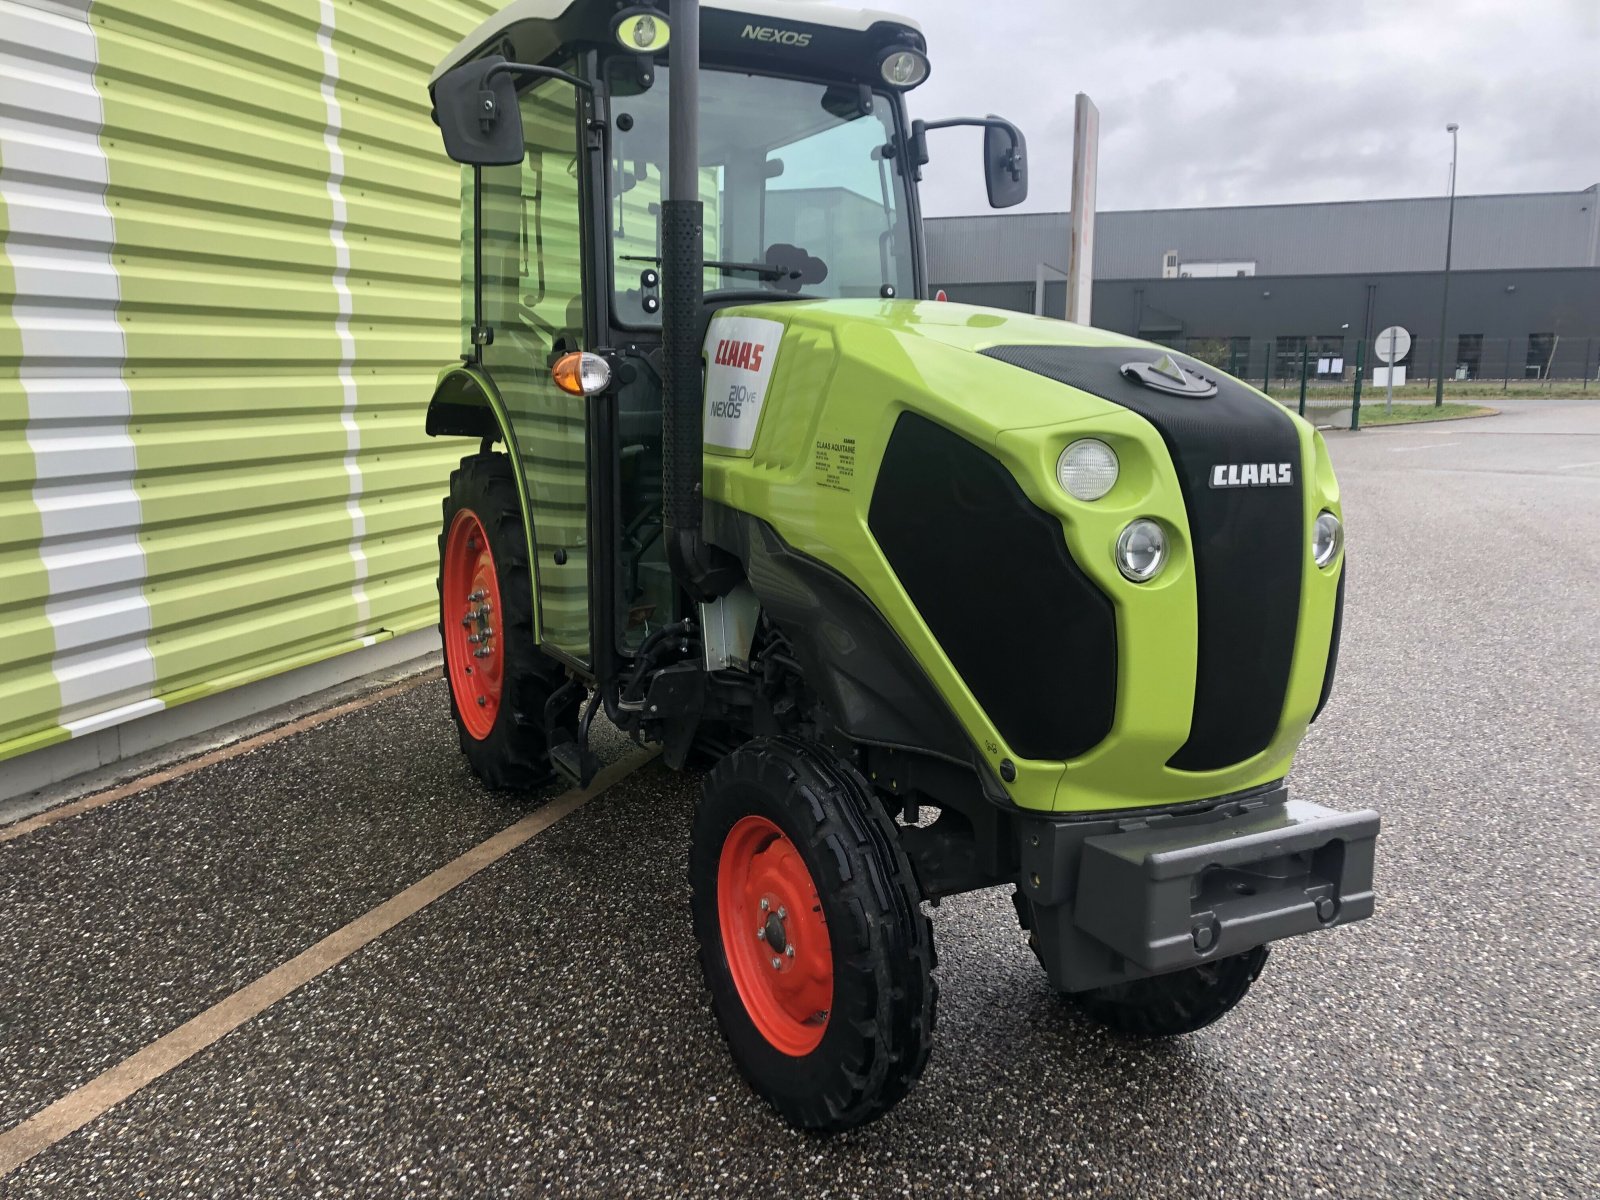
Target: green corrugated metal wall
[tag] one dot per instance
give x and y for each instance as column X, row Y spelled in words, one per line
column 229, row 254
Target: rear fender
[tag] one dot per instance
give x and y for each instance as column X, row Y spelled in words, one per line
column 467, row 404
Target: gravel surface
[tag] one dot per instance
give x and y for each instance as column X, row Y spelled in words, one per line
column 123, row 923
column 543, row 1029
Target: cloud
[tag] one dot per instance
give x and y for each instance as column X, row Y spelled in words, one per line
column 1255, row 103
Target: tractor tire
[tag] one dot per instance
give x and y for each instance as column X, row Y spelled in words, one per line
column 1174, row 1004
column 794, row 862
column 500, row 682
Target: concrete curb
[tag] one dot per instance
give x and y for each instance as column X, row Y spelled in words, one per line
column 1478, row 416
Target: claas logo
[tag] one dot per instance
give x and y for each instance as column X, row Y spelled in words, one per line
column 744, row 355
column 1250, row 475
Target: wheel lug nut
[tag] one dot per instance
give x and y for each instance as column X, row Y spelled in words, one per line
column 761, row 934
column 783, row 914
column 788, row 951
column 765, row 905
column 776, row 963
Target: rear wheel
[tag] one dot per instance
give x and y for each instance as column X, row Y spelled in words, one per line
column 500, row 683
column 812, row 938
column 1174, row 1004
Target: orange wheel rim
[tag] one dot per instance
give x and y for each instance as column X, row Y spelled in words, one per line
column 775, row 936
column 474, row 648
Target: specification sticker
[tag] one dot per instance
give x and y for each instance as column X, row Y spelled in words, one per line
column 836, row 464
column 740, row 355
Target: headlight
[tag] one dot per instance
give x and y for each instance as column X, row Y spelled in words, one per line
column 1087, row 470
column 642, row 32
column 904, row 69
column 1142, row 550
column 1327, row 539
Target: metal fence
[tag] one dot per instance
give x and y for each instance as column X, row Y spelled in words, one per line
column 1328, row 367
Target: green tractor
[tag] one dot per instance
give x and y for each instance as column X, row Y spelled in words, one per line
column 945, row 598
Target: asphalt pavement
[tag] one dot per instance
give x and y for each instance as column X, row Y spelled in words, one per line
column 542, row 1029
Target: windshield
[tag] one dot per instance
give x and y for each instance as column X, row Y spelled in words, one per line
column 800, row 197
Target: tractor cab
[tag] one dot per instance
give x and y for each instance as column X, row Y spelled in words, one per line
column 806, row 173
column 945, row 598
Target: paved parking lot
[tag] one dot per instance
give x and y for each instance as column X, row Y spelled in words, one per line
column 541, row 1028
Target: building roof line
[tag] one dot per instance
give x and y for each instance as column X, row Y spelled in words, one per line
column 1064, row 213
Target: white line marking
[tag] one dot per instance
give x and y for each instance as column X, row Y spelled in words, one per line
column 97, row 1097
column 1579, row 466
column 1409, row 449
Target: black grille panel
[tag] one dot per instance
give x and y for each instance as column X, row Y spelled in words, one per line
column 1029, row 633
column 1248, row 542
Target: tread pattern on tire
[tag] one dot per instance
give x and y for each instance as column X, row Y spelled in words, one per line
column 1174, row 1004
column 513, row 757
column 885, row 997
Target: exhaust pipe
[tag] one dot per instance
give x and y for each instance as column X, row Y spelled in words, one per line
column 683, row 285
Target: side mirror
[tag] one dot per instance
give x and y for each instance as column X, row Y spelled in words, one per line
column 1005, row 163
column 475, row 106
column 1005, row 155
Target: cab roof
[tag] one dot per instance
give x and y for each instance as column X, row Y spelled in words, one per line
column 572, row 13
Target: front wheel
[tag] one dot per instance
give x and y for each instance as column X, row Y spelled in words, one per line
column 812, row 938
column 1174, row 1004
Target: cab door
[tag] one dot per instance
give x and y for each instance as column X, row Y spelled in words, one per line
column 533, row 281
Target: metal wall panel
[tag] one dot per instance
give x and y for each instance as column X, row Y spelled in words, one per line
column 229, row 251
column 1539, row 230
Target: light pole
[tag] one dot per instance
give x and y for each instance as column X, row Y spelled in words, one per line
column 1449, row 244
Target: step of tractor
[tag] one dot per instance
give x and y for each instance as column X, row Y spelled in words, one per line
column 576, row 764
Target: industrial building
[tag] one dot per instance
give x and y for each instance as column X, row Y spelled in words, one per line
column 1262, row 283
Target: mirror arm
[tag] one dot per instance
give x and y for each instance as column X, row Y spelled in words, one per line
column 482, row 335
column 920, row 130
column 982, row 122
column 488, row 111
column 542, row 72
column 918, row 150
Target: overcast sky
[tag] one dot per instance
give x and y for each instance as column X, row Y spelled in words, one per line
column 1266, row 101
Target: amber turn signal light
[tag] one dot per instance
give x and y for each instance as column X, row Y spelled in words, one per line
column 581, row 374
